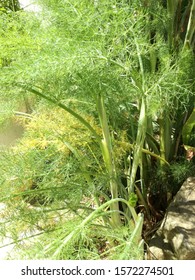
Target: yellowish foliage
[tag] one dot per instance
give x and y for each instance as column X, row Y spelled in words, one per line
column 55, row 128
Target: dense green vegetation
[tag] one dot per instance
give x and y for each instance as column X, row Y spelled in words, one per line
column 108, row 90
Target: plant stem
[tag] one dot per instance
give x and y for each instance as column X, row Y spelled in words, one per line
column 171, row 9
column 137, row 219
column 141, row 133
column 107, row 152
column 165, row 137
column 63, row 106
column 105, row 145
column 191, row 27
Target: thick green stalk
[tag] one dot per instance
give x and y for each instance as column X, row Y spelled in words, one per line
column 142, row 126
column 171, row 10
column 107, row 152
column 153, row 60
column 137, row 156
column 191, row 27
column 64, row 107
column 165, row 138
